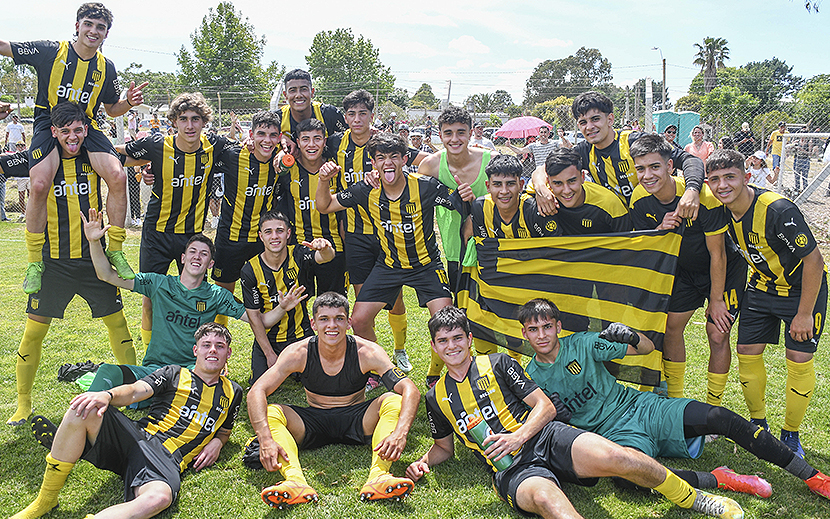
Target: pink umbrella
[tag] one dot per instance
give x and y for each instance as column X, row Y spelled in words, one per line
column 521, row 127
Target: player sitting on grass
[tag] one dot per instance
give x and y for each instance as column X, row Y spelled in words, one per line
column 570, row 368
column 333, row 368
column 150, row 453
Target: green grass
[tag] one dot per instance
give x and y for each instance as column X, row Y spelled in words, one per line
column 458, row 488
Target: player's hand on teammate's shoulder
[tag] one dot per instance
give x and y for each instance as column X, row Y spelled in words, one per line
column 689, row 204
column 671, row 220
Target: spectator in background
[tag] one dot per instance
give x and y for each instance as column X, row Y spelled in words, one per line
column 800, row 148
column 726, row 143
column 563, row 140
column 756, row 165
column 540, row 150
column 670, row 134
column 418, row 142
column 428, row 127
column 479, row 140
column 745, row 140
column 699, row 147
column 776, row 141
column 155, row 124
column 403, row 131
column 132, row 124
column 14, row 133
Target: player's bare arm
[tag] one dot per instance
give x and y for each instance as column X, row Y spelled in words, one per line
column 545, row 201
column 323, row 250
column 6, row 49
column 134, row 97
column 717, row 308
column 261, row 336
column 542, row 412
column 429, row 166
column 98, row 401
column 801, row 328
column 210, row 452
column 441, row 450
column 94, row 229
column 325, row 202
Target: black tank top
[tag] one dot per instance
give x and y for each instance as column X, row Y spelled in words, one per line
column 349, row 381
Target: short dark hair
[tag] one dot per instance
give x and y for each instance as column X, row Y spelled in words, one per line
column 203, row 239
column 727, row 142
column 651, row 143
column 670, row 126
column 561, row 159
column 386, row 143
column 455, row 114
column 725, row 159
column 265, row 118
column 311, row 125
column 504, row 165
column 330, row 300
column 65, row 114
column 359, row 97
column 274, row 215
column 213, row 328
column 95, row 11
column 448, row 318
column 536, row 309
column 297, row 73
column 591, row 100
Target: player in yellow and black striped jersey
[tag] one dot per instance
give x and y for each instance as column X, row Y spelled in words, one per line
column 250, row 191
column 68, row 269
column 299, row 95
column 788, row 283
column 278, row 273
column 506, row 212
column 190, row 420
column 494, row 393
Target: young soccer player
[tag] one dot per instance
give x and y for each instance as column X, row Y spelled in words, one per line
column 788, row 283
column 299, row 95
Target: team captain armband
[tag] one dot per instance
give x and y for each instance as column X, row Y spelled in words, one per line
column 392, row 377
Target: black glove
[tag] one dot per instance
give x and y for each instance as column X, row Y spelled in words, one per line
column 563, row 414
column 618, row 332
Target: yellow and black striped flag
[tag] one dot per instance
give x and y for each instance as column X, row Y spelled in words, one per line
column 594, row 280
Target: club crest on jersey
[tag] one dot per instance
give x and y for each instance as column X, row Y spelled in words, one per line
column 411, row 208
column 551, row 226
column 753, row 238
column 201, row 306
column 217, row 273
column 224, row 401
column 37, row 154
column 624, row 166
column 483, row 383
column 587, row 223
column 96, row 75
column 291, row 273
column 801, row 240
column 574, row 367
column 204, row 158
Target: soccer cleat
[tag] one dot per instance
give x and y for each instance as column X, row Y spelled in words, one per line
column 373, row 382
column 386, row 487
column 760, row 422
column 31, row 283
column 44, row 431
column 402, row 360
column 288, row 493
column 119, row 261
column 431, row 381
column 790, row 439
column 731, row 480
column 717, row 506
column 820, row 484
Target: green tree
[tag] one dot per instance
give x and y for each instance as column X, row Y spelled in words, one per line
column 162, row 87
column 583, row 71
column 400, row 98
column 556, row 112
column 424, row 98
column 227, row 59
column 656, row 93
column 710, row 56
column 341, row 63
column 726, row 108
column 498, row 101
column 493, row 120
column 814, row 102
column 726, row 76
column 16, row 80
column 691, row 103
column 770, row 81
column 766, row 123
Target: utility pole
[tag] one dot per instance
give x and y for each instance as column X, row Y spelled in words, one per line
column 663, row 105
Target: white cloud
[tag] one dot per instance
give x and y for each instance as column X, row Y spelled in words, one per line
column 468, row 44
column 464, row 63
column 547, row 43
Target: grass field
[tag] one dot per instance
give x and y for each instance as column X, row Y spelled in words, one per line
column 458, row 488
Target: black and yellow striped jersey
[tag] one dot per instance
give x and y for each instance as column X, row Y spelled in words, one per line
column 354, row 162
column 329, row 114
column 186, row 413
column 179, row 200
column 526, row 222
column 647, row 213
column 613, row 166
column 75, row 189
column 63, row 76
column 250, row 192
column 298, row 189
column 14, row 164
column 603, row 212
column 405, row 226
column 261, row 287
column 494, row 390
column 773, row 237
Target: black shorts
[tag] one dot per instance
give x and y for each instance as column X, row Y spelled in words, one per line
column 342, row 425
column 42, row 142
column 65, row 279
column 691, row 289
column 762, row 313
column 385, row 283
column 329, row 277
column 231, row 257
column 131, row 452
column 159, row 249
column 546, row 455
column 362, row 251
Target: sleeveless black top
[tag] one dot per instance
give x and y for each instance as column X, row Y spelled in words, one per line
column 349, row 381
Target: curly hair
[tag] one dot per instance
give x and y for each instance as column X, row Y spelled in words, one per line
column 190, row 101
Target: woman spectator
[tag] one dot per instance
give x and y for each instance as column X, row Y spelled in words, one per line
column 698, row 147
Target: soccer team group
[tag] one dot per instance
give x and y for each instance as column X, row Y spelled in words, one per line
column 350, row 210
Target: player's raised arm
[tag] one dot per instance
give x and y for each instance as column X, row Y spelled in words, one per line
column 94, row 229
column 325, row 202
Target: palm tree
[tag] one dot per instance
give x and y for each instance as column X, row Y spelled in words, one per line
column 711, row 56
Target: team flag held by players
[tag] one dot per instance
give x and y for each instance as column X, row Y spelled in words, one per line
column 594, row 280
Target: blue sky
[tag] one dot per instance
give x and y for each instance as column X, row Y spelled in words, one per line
column 480, row 46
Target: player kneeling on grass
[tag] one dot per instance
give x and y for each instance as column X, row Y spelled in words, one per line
column 570, row 367
column 517, row 420
column 333, row 368
column 150, row 453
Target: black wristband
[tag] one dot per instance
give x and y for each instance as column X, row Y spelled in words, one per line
column 110, row 394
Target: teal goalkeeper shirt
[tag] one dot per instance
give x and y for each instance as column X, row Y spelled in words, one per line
column 178, row 313
column 592, row 394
